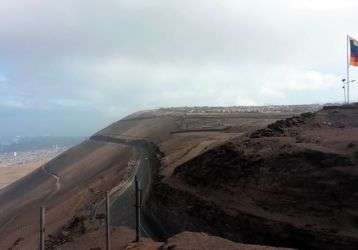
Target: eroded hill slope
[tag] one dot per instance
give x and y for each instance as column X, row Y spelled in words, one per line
column 291, row 184
column 73, row 184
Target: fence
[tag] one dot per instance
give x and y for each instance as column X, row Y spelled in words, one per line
column 136, row 210
column 123, row 205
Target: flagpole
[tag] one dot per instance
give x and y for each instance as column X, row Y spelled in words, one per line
column 348, row 68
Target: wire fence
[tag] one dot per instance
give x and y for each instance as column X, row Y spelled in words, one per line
column 119, row 208
column 122, row 206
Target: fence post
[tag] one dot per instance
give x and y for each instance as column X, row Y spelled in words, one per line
column 42, row 228
column 137, row 205
column 108, row 232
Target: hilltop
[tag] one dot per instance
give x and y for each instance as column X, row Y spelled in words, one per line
column 244, row 176
column 290, row 184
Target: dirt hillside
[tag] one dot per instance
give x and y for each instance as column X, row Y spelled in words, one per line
column 293, row 184
column 73, row 185
column 195, row 241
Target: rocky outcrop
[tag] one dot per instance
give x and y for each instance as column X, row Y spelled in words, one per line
column 278, row 128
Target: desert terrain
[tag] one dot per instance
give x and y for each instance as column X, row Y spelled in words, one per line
column 221, row 180
column 290, row 184
column 11, row 174
column 13, row 167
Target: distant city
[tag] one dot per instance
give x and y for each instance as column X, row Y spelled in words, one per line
column 24, row 150
column 27, row 143
column 21, row 151
column 253, row 109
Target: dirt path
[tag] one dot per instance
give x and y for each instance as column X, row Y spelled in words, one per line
column 123, row 195
column 57, row 178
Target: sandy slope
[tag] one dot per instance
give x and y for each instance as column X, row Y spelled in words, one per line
column 83, row 174
column 291, row 184
column 73, row 183
column 196, row 241
column 10, row 174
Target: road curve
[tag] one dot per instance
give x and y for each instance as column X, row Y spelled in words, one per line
column 123, row 196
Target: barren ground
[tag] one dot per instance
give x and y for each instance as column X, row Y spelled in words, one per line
column 291, row 184
column 11, row 174
column 72, row 184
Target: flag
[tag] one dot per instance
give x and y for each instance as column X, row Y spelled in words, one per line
column 354, row 52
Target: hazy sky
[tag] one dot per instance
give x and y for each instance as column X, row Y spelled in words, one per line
column 70, row 67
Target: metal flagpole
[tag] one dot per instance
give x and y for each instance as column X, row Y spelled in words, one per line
column 348, row 62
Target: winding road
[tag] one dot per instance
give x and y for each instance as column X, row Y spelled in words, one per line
column 122, row 210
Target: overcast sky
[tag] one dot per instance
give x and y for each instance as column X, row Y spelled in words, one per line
column 71, row 67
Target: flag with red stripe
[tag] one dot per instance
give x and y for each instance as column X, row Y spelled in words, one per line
column 354, row 52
